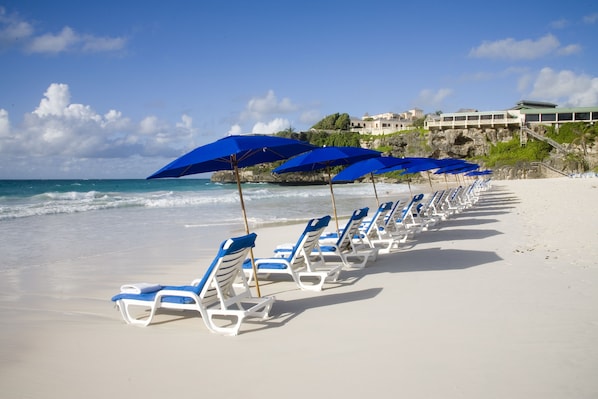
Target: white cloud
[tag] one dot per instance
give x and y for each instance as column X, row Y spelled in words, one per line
column 591, row 19
column 235, row 130
column 566, row 88
column 524, row 81
column 15, row 32
column 185, row 123
column 58, row 128
column 102, row 44
column 429, row 98
column 559, row 24
column 57, row 99
column 49, row 43
column 569, row 50
column 259, row 108
column 4, row 123
column 310, row 117
column 523, row 49
column 13, row 29
column 274, row 126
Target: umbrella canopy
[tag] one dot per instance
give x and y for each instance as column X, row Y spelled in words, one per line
column 232, row 153
column 457, row 168
column 423, row 165
column 373, row 166
column 479, row 173
column 324, row 158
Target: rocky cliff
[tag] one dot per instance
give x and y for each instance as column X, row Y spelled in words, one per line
column 455, row 143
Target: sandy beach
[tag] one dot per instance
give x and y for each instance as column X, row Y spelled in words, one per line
column 500, row 301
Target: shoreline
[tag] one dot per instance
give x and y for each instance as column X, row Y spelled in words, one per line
column 498, row 301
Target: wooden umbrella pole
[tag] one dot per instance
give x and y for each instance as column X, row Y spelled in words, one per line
column 375, row 191
column 253, row 266
column 333, row 202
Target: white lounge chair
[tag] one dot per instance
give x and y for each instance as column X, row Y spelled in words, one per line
column 423, row 212
column 349, row 244
column 374, row 230
column 216, row 296
column 308, row 270
column 404, row 225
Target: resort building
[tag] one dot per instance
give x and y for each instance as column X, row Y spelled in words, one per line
column 525, row 113
column 385, row 123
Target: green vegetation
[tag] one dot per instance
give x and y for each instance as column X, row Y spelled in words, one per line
column 334, row 122
column 577, row 133
column 341, row 139
column 511, row 152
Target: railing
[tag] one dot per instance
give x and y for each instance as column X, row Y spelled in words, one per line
column 545, row 139
column 473, row 123
column 551, row 168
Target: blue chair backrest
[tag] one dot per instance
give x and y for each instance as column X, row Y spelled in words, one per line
column 357, row 216
column 312, row 225
column 230, row 246
column 382, row 211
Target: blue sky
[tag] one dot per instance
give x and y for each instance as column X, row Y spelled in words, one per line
column 117, row 89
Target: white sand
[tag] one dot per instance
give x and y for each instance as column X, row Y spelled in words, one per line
column 500, row 302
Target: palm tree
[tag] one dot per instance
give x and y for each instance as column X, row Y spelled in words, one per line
column 585, row 134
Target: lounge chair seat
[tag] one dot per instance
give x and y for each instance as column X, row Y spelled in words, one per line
column 349, row 244
column 217, row 295
column 308, row 270
column 402, row 224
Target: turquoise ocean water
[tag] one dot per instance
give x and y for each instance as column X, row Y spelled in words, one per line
column 46, row 221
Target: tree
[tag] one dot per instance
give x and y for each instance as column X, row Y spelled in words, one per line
column 584, row 134
column 334, row 122
column 343, row 122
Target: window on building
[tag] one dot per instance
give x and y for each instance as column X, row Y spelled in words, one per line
column 582, row 116
column 548, row 117
column 486, row 117
column 473, row 117
column 532, row 118
column 566, row 116
column 499, row 116
column 447, row 118
column 460, row 118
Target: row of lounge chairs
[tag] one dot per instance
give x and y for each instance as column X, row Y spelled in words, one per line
column 223, row 296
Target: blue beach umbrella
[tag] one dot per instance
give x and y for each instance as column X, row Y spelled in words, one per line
column 479, row 172
column 456, row 168
column 325, row 158
column 372, row 166
column 423, row 165
column 369, row 166
column 232, row 153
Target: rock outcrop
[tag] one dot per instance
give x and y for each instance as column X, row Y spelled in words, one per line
column 455, row 143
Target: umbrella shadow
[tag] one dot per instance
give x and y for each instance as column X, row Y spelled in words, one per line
column 455, row 235
column 435, row 259
column 490, row 211
column 285, row 310
column 464, row 221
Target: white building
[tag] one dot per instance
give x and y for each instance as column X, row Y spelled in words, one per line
column 525, row 113
column 385, row 123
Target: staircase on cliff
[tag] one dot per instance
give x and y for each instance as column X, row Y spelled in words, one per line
column 527, row 131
